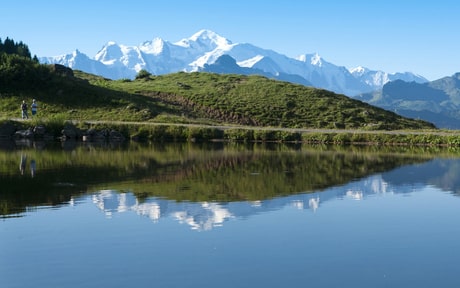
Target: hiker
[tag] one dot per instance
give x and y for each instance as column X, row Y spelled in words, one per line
column 34, row 107
column 24, row 110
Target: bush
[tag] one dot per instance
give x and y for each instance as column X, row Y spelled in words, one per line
column 342, row 138
column 201, row 134
column 177, row 133
column 265, row 135
column 142, row 134
column 322, row 138
column 55, row 124
column 142, row 74
column 286, row 136
column 239, row 135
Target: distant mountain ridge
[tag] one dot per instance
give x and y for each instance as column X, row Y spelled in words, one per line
column 437, row 101
column 201, row 51
column 225, row 64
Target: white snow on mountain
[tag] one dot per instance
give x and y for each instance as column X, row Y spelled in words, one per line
column 154, row 47
column 205, row 39
column 250, row 62
column 315, row 59
column 116, row 61
column 209, row 57
column 380, row 78
column 358, row 71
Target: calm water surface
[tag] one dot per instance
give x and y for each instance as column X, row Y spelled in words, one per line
column 228, row 216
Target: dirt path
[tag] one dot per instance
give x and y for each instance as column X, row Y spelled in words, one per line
column 299, row 130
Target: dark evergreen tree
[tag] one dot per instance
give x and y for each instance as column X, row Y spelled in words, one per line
column 11, row 47
column 23, row 50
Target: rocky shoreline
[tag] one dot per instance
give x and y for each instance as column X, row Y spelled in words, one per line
column 15, row 131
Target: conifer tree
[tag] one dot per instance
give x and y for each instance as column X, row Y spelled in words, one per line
column 11, row 47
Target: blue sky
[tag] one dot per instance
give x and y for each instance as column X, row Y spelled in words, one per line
column 393, row 36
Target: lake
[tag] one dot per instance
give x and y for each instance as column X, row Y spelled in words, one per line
column 228, row 215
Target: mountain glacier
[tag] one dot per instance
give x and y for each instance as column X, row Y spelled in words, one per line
column 117, row 61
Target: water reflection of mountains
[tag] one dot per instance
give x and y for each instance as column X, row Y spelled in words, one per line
column 203, row 216
column 219, row 174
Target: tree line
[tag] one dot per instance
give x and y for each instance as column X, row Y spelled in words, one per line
column 18, row 70
column 9, row 46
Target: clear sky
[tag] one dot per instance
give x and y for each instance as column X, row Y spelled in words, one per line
column 394, row 35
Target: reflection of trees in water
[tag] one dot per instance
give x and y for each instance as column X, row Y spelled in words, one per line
column 181, row 172
column 32, row 192
column 258, row 177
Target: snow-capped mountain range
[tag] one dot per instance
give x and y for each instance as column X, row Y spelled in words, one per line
column 204, row 48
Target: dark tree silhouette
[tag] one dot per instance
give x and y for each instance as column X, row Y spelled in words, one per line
column 10, row 47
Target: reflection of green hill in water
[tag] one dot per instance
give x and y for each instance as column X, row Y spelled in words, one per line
column 260, row 176
column 185, row 172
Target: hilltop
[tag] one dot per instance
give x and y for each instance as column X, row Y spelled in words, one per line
column 197, row 97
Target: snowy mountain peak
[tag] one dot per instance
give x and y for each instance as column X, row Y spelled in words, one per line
column 155, row 47
column 358, row 71
column 204, row 38
column 208, row 35
column 108, row 52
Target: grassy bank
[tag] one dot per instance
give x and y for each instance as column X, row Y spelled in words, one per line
column 176, row 132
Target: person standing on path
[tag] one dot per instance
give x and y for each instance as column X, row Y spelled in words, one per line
column 24, row 110
column 34, row 107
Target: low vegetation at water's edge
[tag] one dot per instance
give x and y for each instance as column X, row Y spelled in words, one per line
column 155, row 132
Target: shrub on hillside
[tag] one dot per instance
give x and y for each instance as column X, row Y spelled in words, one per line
column 143, row 74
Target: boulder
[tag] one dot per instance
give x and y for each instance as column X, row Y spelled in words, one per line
column 70, row 131
column 24, row 134
column 39, row 131
column 62, row 70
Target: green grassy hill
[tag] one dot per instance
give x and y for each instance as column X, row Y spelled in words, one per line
column 185, row 98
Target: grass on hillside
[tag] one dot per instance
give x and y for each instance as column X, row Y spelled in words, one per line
column 258, row 101
column 195, row 98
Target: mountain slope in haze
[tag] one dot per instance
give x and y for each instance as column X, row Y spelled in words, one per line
column 116, row 61
column 225, row 64
column 436, row 101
